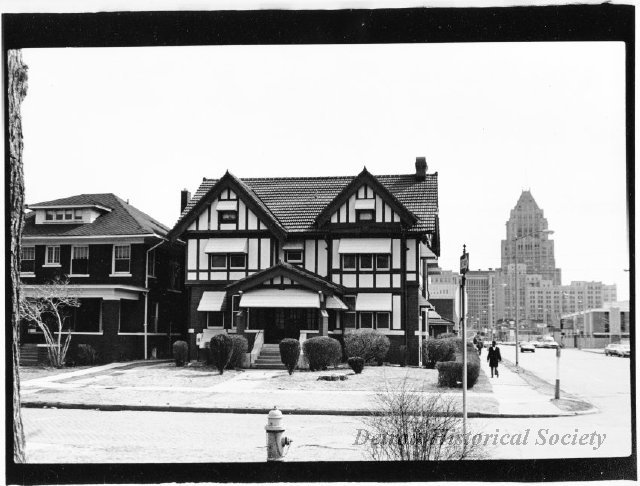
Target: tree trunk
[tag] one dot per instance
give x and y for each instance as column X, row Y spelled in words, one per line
column 16, row 93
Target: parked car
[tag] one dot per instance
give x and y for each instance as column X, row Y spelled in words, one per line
column 548, row 342
column 617, row 349
column 527, row 346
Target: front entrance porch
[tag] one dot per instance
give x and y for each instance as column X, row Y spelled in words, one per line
column 281, row 323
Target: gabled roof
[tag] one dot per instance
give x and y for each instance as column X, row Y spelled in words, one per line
column 207, row 192
column 301, row 275
column 296, row 202
column 120, row 219
column 365, row 177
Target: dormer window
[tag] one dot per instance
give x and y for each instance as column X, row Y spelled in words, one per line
column 227, row 211
column 293, row 252
column 63, row 215
column 365, row 209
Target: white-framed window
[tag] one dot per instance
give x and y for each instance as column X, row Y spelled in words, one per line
column 218, row 261
column 366, row 320
column 151, row 264
column 215, row 320
column 228, row 216
column 382, row 320
column 53, row 255
column 349, row 261
column 63, row 215
column 121, row 258
column 79, row 260
column 383, row 262
column 293, row 256
column 366, row 261
column 27, row 259
column 235, row 307
column 238, row 260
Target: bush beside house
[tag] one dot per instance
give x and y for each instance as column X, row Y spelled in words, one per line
column 368, row 344
column 289, row 353
column 240, row 348
column 180, row 350
column 221, row 347
column 321, row 352
column 446, row 356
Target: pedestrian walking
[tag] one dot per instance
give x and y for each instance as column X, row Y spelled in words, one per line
column 493, row 357
column 480, row 345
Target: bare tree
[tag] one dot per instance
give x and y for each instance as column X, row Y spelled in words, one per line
column 48, row 302
column 408, row 424
column 17, row 90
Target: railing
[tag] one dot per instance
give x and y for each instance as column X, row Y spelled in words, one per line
column 257, row 347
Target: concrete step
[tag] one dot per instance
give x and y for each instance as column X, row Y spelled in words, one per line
column 262, row 366
column 269, row 360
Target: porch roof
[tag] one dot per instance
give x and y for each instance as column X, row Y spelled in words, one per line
column 290, row 298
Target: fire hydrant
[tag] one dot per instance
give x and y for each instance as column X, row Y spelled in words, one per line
column 276, row 443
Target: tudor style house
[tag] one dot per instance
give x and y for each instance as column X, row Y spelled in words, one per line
column 121, row 266
column 306, row 256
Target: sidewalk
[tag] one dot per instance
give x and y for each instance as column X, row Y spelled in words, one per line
column 512, row 396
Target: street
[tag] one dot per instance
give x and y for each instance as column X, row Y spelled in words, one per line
column 97, row 436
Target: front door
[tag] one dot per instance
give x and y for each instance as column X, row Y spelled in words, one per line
column 282, row 323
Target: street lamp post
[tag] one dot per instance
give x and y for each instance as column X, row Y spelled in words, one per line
column 515, row 240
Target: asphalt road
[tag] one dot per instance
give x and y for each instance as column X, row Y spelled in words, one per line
column 93, row 436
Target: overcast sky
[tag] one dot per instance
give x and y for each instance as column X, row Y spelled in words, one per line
column 491, row 119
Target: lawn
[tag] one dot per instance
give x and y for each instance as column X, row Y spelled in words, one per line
column 36, row 372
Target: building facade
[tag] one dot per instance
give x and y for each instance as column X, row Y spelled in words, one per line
column 118, row 263
column 317, row 256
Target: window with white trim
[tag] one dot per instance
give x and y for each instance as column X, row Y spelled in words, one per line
column 238, row 260
column 366, row 261
column 62, row 215
column 382, row 320
column 365, row 215
column 27, row 259
column 349, row 261
column 366, row 320
column 53, row 255
column 224, row 261
column 382, row 262
column 228, row 217
column 215, row 320
column 293, row 256
column 79, row 260
column 121, row 258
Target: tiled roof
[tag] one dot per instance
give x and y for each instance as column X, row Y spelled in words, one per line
column 123, row 219
column 296, row 201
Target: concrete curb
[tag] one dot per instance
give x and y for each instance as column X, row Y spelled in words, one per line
column 286, row 411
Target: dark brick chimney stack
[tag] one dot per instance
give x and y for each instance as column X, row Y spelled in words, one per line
column 421, row 168
column 185, row 197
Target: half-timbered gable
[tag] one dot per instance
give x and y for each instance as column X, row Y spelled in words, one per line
column 298, row 256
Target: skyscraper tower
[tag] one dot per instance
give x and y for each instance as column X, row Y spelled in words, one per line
column 536, row 251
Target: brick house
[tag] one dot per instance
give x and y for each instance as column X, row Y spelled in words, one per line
column 306, row 256
column 126, row 274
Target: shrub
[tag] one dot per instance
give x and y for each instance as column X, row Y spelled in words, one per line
column 450, row 372
column 180, row 352
column 289, row 353
column 368, row 344
column 240, row 347
column 86, row 355
column 322, row 351
column 447, row 335
column 356, row 364
column 410, row 425
column 436, row 350
column 221, row 347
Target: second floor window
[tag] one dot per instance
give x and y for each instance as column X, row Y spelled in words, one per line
column 80, row 260
column 230, row 260
column 53, row 255
column 228, row 217
column 28, row 259
column 293, row 256
column 121, row 259
column 365, row 215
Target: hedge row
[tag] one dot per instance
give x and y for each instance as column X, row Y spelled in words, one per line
column 446, row 356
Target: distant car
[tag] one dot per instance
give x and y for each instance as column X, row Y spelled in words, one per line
column 549, row 342
column 527, row 346
column 617, row 349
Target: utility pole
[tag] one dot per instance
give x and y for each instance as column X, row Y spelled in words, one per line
column 464, row 268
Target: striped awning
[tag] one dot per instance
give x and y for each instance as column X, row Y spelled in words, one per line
column 227, row 205
column 290, row 298
column 365, row 245
column 211, row 301
column 226, row 245
column 373, row 302
column 334, row 302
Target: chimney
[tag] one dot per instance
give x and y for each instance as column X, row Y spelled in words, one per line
column 421, row 168
column 185, row 197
